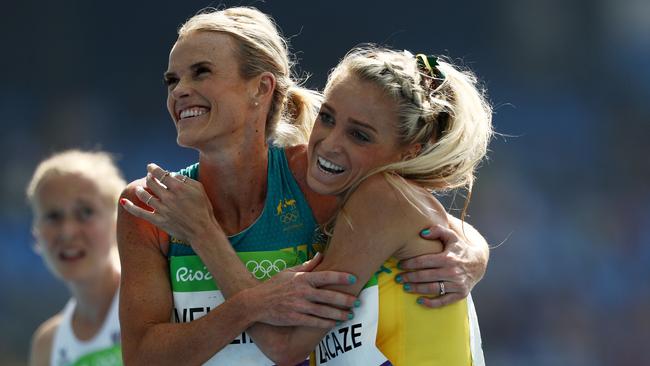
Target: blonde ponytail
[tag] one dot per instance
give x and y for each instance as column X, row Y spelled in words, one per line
column 295, row 126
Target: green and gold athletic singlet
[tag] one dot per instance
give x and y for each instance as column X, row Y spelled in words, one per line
column 278, row 239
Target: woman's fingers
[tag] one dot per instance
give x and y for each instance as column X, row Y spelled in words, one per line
column 439, row 301
column 155, row 186
column 318, row 279
column 147, row 198
column 435, row 288
column 439, row 232
column 332, row 297
column 309, row 265
column 426, row 261
column 136, row 211
column 421, row 276
column 307, row 320
column 329, row 312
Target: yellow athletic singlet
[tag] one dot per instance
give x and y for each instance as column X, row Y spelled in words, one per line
column 391, row 329
column 410, row 334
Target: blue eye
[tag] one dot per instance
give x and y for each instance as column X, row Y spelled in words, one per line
column 52, row 217
column 360, row 136
column 169, row 81
column 326, row 118
column 201, row 70
column 85, row 213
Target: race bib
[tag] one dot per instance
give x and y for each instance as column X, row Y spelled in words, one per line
column 196, row 293
column 353, row 342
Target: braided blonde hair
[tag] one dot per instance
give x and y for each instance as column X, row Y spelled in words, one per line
column 451, row 120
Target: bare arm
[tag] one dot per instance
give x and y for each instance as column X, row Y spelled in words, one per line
column 365, row 240
column 460, row 266
column 296, row 303
column 374, row 238
column 42, row 342
column 146, row 304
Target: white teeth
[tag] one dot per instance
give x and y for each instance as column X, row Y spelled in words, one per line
column 71, row 252
column 193, row 112
column 329, row 166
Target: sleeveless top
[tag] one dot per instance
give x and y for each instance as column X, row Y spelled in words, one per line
column 103, row 349
column 280, row 238
column 389, row 325
column 390, row 328
column 410, row 334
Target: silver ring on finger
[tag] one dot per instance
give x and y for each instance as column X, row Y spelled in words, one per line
column 442, row 288
column 148, row 199
column 162, row 179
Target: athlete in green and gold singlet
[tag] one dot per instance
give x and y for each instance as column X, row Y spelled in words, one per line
column 280, row 238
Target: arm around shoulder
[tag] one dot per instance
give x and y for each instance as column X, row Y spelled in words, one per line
column 374, row 224
column 477, row 244
column 378, row 221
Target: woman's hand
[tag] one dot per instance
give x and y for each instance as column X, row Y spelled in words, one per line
column 449, row 275
column 293, row 297
column 179, row 204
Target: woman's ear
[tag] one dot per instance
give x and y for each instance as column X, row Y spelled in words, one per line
column 265, row 87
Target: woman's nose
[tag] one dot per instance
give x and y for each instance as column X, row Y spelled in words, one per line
column 181, row 90
column 69, row 227
column 332, row 142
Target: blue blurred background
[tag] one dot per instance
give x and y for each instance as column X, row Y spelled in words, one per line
column 564, row 193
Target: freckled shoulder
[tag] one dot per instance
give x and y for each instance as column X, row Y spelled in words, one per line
column 142, row 229
column 323, row 207
column 42, row 341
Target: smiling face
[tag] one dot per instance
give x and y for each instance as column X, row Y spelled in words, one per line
column 207, row 98
column 355, row 132
column 74, row 226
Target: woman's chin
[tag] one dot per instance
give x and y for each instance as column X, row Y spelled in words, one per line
column 326, row 189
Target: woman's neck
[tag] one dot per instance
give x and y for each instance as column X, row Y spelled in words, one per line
column 235, row 179
column 94, row 296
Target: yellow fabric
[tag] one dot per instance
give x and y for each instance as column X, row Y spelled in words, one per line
column 410, row 334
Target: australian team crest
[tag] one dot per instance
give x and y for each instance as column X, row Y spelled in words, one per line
column 288, row 213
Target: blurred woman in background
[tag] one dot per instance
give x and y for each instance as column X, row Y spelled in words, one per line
column 73, row 196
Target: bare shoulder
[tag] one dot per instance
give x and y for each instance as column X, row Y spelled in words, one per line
column 398, row 209
column 396, row 197
column 323, row 207
column 132, row 229
column 129, row 190
column 42, row 341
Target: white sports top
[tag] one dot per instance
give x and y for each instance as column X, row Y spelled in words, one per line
column 103, row 349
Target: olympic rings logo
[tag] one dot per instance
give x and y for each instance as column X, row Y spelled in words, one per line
column 265, row 268
column 288, row 217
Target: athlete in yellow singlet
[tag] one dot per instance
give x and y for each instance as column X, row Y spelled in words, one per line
column 393, row 128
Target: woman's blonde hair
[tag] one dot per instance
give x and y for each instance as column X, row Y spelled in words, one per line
column 95, row 166
column 443, row 110
column 263, row 49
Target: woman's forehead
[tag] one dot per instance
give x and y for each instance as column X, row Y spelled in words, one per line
column 202, row 46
